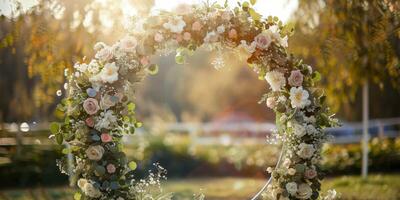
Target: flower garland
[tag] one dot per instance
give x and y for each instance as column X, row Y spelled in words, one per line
column 99, row 108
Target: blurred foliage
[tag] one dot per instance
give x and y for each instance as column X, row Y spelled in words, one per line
column 37, row 44
column 350, row 42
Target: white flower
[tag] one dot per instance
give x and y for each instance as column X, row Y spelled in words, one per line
column 95, row 152
column 311, row 130
column 275, row 79
column 81, row 67
column 291, row 187
column 298, row 129
column 249, row 48
column 305, row 150
column 106, row 120
column 263, row 40
column 105, row 54
column 304, row 191
column 331, row 195
column 91, row 191
column 106, row 102
column 221, row 29
column 128, row 44
column 109, row 73
column 93, row 67
column 291, row 171
column 299, row 97
column 211, row 37
column 81, row 183
column 99, row 45
column 175, row 24
column 271, row 102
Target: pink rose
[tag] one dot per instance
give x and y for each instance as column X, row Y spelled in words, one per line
column 310, row 173
column 187, row 36
column 158, row 37
column 144, row 60
column 196, row 26
column 232, row 34
column 263, row 40
column 105, row 137
column 111, row 168
column 178, row 37
column 91, row 106
column 296, row 78
column 89, row 122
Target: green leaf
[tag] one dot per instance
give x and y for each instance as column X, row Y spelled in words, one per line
column 100, row 170
column 132, row 165
column 316, row 76
column 66, row 151
column 54, row 127
column 245, row 4
column 152, row 69
column 77, row 196
column 179, row 58
column 59, row 139
column 138, row 124
column 253, row 2
column 255, row 15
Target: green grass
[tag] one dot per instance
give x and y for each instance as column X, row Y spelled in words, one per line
column 376, row 187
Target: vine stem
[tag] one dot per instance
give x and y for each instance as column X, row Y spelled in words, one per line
column 270, row 178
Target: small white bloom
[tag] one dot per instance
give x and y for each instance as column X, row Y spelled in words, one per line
column 106, row 120
column 221, row 29
column 306, row 150
column 275, row 79
column 175, row 24
column 304, row 191
column 81, row 67
column 291, row 187
column 93, row 67
column 105, row 54
column 299, row 97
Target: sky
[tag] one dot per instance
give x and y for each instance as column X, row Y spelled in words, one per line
column 280, row 8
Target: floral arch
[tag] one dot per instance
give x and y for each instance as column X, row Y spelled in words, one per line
column 99, row 107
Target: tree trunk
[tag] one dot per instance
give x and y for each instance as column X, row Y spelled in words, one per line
column 365, row 136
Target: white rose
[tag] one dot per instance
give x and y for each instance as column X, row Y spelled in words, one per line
column 275, row 79
column 298, row 129
column 91, row 191
column 81, row 183
column 304, row 191
column 299, row 97
column 291, row 188
column 305, row 150
column 95, row 152
column 128, row 44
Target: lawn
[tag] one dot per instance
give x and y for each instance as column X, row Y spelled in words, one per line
column 377, row 187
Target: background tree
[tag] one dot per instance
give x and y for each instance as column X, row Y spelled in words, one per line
column 353, row 43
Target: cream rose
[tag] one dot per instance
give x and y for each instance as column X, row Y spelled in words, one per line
column 91, row 191
column 128, row 44
column 91, row 106
column 291, row 188
column 305, row 150
column 95, row 152
column 304, row 191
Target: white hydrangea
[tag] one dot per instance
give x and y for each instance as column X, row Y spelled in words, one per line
column 175, row 24
column 275, row 79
